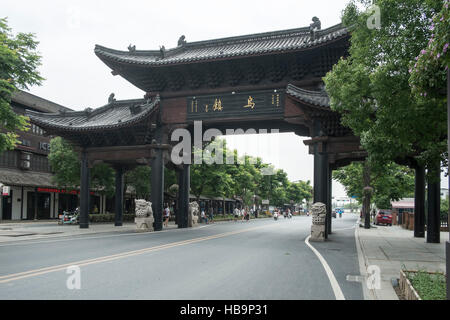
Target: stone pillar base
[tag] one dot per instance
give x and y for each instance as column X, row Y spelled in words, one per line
column 144, row 224
column 193, row 222
column 317, row 232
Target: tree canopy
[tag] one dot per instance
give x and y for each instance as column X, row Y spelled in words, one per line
column 371, row 89
column 245, row 178
column 19, row 61
column 65, row 165
column 392, row 182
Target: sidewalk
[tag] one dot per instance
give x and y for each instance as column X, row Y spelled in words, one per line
column 390, row 248
column 33, row 230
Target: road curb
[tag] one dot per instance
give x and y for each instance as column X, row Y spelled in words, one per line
column 368, row 294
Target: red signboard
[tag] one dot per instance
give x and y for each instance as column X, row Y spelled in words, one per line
column 52, row 190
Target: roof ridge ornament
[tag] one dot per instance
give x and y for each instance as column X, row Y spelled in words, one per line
column 88, row 111
column 132, row 48
column 314, row 27
column 182, row 41
column 135, row 108
column 162, row 53
column 111, row 98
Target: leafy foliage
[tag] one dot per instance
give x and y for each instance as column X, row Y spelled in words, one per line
column 371, row 90
column 393, row 182
column 428, row 286
column 65, row 165
column 245, row 178
column 139, row 179
column 428, row 73
column 18, row 70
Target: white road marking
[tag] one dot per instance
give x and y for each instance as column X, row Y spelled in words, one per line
column 334, row 284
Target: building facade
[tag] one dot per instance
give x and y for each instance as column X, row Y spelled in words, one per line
column 27, row 189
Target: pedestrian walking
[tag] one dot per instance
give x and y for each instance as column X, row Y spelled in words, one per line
column 211, row 214
column 166, row 216
column 236, row 214
column 203, row 216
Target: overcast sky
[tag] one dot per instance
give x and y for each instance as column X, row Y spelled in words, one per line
column 76, row 78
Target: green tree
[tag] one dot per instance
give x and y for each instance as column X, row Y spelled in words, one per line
column 245, row 180
column 428, row 73
column 18, row 70
column 297, row 191
column 246, row 177
column 212, row 179
column 370, row 87
column 139, row 179
column 390, row 183
column 66, row 164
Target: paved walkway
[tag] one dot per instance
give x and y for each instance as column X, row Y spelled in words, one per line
column 31, row 230
column 391, row 248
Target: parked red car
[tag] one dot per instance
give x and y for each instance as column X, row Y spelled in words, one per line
column 384, row 217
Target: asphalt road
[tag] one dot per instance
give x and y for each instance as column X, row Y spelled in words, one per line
column 260, row 259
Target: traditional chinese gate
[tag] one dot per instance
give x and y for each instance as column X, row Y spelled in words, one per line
column 270, row 80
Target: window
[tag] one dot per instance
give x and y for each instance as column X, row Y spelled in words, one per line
column 40, row 163
column 8, row 159
column 37, row 130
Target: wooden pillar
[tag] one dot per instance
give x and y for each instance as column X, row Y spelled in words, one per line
column 367, row 194
column 157, row 180
column 21, row 204
column 419, row 203
column 434, row 204
column 178, row 221
column 320, row 172
column 35, row 204
column 84, row 192
column 183, row 196
column 119, row 197
column 329, row 191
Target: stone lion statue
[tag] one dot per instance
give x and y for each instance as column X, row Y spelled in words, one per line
column 144, row 215
column 194, row 210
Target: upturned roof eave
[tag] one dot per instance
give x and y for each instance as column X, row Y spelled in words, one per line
column 38, row 118
column 128, row 58
column 307, row 97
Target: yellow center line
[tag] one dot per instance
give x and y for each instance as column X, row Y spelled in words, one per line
column 36, row 272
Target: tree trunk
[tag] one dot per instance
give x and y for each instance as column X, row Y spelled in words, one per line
column 367, row 193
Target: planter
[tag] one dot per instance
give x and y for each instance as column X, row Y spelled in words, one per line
column 406, row 287
column 411, row 293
